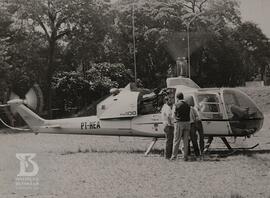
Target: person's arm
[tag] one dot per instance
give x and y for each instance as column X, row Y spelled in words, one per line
column 170, row 118
column 173, row 111
column 196, row 111
column 166, row 120
column 196, row 114
column 191, row 115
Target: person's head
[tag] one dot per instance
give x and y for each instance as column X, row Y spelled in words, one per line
column 167, row 100
column 180, row 96
column 189, row 100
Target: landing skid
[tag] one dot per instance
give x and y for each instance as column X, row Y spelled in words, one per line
column 150, row 146
column 225, row 141
column 247, row 148
column 206, row 149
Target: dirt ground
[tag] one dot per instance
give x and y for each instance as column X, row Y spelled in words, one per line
column 94, row 166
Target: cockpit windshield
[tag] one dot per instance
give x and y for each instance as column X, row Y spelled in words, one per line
column 239, row 106
column 243, row 114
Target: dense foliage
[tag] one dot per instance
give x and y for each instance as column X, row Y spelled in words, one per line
column 78, row 49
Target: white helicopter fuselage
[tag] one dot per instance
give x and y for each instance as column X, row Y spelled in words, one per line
column 131, row 113
column 144, row 126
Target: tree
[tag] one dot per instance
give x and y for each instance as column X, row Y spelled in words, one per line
column 255, row 47
column 80, row 90
column 91, row 23
column 5, row 33
column 53, row 19
column 161, row 33
column 154, row 20
column 221, row 63
column 56, row 19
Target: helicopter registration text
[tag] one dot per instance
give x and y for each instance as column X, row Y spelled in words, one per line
column 90, row 125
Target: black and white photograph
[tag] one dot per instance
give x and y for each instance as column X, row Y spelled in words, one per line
column 134, row 99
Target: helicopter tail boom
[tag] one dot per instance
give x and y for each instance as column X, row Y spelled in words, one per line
column 32, row 119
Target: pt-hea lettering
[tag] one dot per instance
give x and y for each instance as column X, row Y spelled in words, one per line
column 90, row 125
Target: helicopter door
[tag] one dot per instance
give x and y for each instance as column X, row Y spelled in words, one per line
column 212, row 115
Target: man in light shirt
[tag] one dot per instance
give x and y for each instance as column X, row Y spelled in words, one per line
column 167, row 118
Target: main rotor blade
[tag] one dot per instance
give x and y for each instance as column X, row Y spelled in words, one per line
column 31, row 99
column 11, row 97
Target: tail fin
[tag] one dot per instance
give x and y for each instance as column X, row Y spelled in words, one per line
column 32, row 119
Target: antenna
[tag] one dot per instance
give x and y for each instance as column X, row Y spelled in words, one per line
column 134, row 44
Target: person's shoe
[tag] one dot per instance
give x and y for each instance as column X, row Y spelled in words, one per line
column 182, row 150
column 172, row 158
column 205, row 150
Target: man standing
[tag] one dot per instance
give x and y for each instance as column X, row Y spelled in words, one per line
column 182, row 126
column 194, row 118
column 199, row 128
column 166, row 113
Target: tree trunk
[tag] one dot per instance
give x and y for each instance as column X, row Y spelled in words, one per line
column 50, row 71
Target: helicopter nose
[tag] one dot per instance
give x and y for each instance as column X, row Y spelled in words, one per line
column 244, row 115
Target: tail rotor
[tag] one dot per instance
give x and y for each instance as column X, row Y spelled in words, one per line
column 33, row 99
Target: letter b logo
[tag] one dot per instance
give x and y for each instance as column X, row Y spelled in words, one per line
column 25, row 160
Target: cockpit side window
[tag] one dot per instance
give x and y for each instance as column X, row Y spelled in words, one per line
column 147, row 103
column 152, row 103
column 208, row 106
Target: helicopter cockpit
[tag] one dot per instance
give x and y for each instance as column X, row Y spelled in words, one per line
column 243, row 114
column 227, row 108
column 151, row 103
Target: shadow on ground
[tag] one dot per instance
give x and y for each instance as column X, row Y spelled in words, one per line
column 225, row 153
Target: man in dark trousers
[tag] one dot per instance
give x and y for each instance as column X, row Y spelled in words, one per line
column 181, row 111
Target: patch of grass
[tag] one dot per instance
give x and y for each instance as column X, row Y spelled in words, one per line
column 86, row 150
column 78, row 151
column 93, row 150
column 236, row 195
column 67, row 153
column 233, row 195
column 128, row 151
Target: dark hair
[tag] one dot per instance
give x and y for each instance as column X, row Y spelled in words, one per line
column 180, row 96
column 166, row 99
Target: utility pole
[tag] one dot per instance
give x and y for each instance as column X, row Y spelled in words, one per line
column 188, row 40
column 134, row 44
column 188, row 48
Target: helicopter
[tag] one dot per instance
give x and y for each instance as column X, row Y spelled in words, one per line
column 130, row 111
